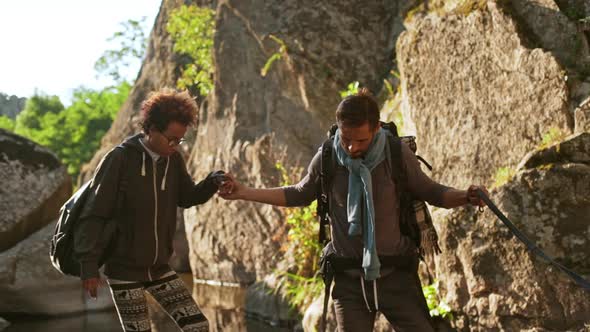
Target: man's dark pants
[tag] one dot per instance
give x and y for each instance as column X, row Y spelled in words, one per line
column 400, row 298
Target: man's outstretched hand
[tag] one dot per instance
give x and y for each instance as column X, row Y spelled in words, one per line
column 230, row 189
column 472, row 196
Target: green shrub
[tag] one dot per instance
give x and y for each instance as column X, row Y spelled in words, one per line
column 301, row 284
column 282, row 52
column 552, row 136
column 503, row 175
column 437, row 307
column 192, row 28
column 351, row 89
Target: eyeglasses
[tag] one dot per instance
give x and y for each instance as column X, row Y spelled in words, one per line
column 172, row 142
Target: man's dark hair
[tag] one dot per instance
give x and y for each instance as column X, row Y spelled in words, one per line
column 355, row 110
column 165, row 106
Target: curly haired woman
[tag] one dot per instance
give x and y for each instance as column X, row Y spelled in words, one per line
column 141, row 183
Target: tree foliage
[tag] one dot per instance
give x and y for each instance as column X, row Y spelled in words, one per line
column 73, row 133
column 36, row 108
column 86, row 121
column 351, row 89
column 132, row 43
column 192, row 28
column 6, row 123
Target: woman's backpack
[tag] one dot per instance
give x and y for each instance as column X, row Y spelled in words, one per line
column 61, row 251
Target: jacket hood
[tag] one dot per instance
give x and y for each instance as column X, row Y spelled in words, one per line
column 134, row 143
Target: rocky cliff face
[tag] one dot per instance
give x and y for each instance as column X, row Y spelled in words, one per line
column 483, row 87
column 479, row 97
column 253, row 121
column 489, row 277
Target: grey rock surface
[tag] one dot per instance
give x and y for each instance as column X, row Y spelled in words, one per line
column 479, row 97
column 491, row 280
column 30, row 285
column 34, row 186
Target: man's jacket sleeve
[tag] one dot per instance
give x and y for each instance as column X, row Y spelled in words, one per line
column 419, row 184
column 305, row 192
column 90, row 235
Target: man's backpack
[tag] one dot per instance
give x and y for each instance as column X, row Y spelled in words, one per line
column 415, row 219
column 61, row 251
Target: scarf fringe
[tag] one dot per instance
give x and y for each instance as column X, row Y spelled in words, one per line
column 428, row 236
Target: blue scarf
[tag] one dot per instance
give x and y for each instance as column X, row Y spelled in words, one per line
column 360, row 197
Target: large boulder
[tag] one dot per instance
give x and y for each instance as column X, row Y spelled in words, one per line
column 34, row 186
column 479, row 96
column 254, row 121
column 489, row 277
column 30, row 285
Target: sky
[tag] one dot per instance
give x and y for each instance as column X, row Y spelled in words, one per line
column 50, row 46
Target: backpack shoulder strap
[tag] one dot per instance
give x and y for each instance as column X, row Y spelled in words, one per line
column 395, row 161
column 332, row 130
column 327, row 165
column 391, row 127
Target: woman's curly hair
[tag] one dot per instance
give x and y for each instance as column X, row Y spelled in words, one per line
column 165, row 106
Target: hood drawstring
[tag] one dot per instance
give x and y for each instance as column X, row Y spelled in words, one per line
column 364, row 293
column 163, row 187
column 143, row 164
column 374, row 294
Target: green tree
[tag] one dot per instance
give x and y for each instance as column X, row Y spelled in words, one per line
column 73, row 133
column 29, row 121
column 85, row 122
column 6, row 123
column 192, row 29
column 132, row 43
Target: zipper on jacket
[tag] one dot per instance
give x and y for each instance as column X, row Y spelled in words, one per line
column 155, row 214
